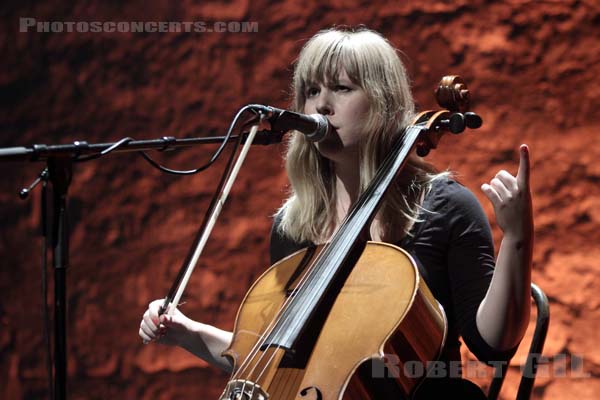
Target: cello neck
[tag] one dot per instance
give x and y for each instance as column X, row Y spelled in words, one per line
column 346, row 243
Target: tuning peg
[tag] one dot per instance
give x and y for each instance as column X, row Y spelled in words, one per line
column 456, row 123
column 473, row 120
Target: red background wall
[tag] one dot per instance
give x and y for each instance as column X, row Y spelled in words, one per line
column 532, row 68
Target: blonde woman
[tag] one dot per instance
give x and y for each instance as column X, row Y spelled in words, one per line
column 356, row 79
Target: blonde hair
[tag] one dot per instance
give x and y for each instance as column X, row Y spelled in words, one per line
column 373, row 64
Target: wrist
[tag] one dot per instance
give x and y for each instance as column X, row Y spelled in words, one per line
column 517, row 235
column 520, row 244
column 194, row 332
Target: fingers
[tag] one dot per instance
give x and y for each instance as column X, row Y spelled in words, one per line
column 524, row 167
column 501, row 189
column 176, row 321
column 504, row 186
column 149, row 319
column 147, row 333
column 167, row 328
column 149, row 330
column 510, row 196
column 150, row 326
column 508, row 181
column 492, row 195
column 145, row 337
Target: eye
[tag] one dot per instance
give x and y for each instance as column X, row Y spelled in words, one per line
column 342, row 88
column 312, row 91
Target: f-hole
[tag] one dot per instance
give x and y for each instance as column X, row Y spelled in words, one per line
column 304, row 392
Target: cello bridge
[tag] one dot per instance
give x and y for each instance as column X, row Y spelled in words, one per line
column 241, row 389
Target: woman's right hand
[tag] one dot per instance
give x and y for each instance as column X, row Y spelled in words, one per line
column 171, row 330
column 175, row 329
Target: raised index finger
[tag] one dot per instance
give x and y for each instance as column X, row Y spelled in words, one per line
column 524, row 167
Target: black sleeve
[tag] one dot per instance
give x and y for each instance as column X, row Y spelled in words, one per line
column 470, row 268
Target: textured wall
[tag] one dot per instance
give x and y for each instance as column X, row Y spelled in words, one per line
column 532, row 68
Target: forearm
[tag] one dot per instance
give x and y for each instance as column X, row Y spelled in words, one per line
column 503, row 315
column 208, row 343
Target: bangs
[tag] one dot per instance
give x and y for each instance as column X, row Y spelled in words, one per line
column 323, row 59
column 370, row 62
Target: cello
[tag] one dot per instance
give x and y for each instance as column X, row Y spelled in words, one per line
column 311, row 320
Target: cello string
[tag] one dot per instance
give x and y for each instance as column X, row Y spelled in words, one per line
column 270, row 328
column 285, row 305
column 309, row 275
column 345, row 237
column 299, row 287
column 303, row 311
column 306, row 302
column 410, row 136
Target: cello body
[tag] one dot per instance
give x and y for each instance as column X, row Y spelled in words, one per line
column 382, row 312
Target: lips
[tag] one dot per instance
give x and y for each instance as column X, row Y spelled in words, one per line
column 333, row 132
column 332, row 140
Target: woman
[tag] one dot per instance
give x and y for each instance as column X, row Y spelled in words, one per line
column 356, row 79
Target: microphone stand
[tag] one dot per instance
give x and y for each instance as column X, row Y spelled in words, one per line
column 60, row 171
column 41, row 152
column 60, row 158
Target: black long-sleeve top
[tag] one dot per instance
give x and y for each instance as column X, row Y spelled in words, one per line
column 454, row 251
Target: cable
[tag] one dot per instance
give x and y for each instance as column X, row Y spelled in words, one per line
column 214, row 157
column 167, row 140
column 106, row 151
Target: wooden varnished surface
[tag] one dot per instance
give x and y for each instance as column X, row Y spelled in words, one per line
column 383, row 307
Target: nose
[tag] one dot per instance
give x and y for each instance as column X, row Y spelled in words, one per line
column 324, row 109
column 324, row 105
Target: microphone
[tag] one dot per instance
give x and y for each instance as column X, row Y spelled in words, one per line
column 314, row 126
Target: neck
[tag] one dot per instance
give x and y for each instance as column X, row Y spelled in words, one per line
column 347, row 186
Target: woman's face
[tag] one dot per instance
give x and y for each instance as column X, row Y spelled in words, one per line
column 346, row 106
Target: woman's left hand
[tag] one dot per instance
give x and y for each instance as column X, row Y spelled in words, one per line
column 511, row 198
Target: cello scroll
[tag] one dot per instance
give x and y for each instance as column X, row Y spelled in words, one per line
column 453, row 95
